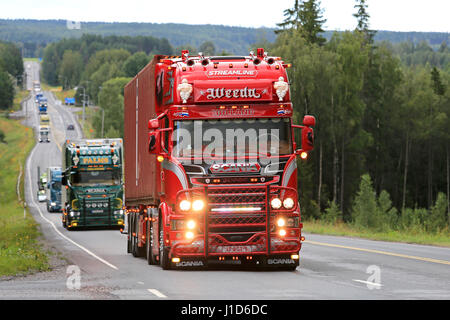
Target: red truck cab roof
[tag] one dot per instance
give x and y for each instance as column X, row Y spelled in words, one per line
column 220, row 80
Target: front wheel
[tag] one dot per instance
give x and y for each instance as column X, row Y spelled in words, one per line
column 163, row 251
column 151, row 258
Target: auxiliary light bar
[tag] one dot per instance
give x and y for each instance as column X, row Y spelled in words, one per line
column 236, row 209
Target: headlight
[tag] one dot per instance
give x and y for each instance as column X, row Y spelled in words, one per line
column 185, row 205
column 275, row 203
column 191, row 224
column 94, row 205
column 198, row 205
column 88, row 205
column 74, row 214
column 53, row 204
column 281, row 222
column 288, row 203
column 189, row 235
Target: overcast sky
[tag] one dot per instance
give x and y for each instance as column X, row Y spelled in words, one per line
column 393, row 15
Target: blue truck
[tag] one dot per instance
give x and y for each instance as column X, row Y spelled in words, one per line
column 43, row 105
column 54, row 177
column 69, row 101
column 39, row 96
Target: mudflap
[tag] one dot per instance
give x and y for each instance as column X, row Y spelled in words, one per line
column 189, row 263
column 279, row 262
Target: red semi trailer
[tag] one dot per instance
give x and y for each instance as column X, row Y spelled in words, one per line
column 211, row 162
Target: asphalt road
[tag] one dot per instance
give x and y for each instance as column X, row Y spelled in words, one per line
column 330, row 267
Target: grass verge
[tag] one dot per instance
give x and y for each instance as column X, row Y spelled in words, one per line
column 410, row 236
column 20, row 251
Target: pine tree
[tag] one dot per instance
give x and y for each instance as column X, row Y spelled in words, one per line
column 306, row 17
column 292, row 20
column 438, row 86
column 363, row 21
column 311, row 20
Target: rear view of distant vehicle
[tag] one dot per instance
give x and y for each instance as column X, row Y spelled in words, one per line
column 42, row 180
column 69, row 101
column 54, row 176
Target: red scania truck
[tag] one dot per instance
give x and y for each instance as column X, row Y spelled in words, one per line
column 211, row 162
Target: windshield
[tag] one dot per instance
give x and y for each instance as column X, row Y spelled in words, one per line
column 92, row 178
column 226, row 137
column 56, row 185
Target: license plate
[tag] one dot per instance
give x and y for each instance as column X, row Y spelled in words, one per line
column 236, row 249
column 97, row 211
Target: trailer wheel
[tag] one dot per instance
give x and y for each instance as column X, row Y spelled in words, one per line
column 136, row 250
column 129, row 234
column 151, row 258
column 163, row 252
column 132, row 240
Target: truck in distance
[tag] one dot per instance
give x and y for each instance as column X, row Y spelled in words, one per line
column 41, row 182
column 43, row 105
column 43, row 134
column 54, row 176
column 211, row 162
column 92, row 180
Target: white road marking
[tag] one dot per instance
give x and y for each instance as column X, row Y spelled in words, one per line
column 157, row 293
column 52, row 224
column 369, row 283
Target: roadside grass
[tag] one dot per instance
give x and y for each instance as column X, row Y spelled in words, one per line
column 58, row 91
column 88, row 129
column 20, row 251
column 417, row 236
column 18, row 98
column 31, row 59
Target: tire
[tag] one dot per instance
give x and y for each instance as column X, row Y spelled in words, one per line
column 151, row 258
column 132, row 240
column 163, row 251
column 129, row 234
column 136, row 250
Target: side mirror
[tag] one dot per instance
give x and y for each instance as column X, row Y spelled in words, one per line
column 307, row 139
column 309, row 121
column 307, row 135
column 153, row 124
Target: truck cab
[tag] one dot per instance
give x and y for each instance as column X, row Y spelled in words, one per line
column 93, row 183
column 43, row 105
column 44, row 132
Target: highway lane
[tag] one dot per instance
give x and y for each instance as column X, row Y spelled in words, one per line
column 330, row 268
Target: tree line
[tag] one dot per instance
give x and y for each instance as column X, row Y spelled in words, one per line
column 383, row 121
column 33, row 35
